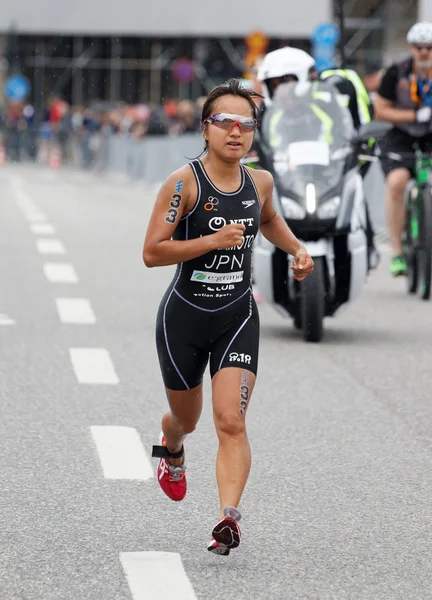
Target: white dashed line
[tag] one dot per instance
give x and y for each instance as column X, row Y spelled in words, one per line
column 76, row 311
column 93, row 366
column 121, row 453
column 152, row 575
column 60, row 273
column 6, row 320
column 26, row 204
column 42, row 229
column 46, row 246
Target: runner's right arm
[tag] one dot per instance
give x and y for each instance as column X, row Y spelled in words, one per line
column 176, row 198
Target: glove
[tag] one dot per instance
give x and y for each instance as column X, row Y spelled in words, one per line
column 423, row 115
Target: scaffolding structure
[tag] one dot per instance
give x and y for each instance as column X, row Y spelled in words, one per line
column 135, row 70
column 83, row 69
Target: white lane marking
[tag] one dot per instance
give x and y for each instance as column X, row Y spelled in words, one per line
column 121, row 453
column 152, row 575
column 46, row 246
column 25, row 202
column 6, row 320
column 75, row 311
column 93, row 365
column 60, row 273
column 42, row 228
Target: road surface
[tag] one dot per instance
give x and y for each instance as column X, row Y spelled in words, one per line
column 338, row 505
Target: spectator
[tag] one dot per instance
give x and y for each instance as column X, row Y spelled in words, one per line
column 186, row 117
column 158, row 122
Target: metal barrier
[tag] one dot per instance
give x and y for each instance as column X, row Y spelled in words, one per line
column 147, row 161
column 151, row 160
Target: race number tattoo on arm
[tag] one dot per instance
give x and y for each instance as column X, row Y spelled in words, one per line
column 175, row 203
column 244, row 393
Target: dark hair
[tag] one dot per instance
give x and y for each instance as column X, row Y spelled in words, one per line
column 232, row 87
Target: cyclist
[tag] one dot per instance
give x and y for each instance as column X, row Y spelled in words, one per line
column 404, row 98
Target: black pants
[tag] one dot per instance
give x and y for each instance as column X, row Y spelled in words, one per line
column 398, row 141
column 188, row 337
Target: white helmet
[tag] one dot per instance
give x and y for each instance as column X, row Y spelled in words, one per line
column 420, row 33
column 285, row 62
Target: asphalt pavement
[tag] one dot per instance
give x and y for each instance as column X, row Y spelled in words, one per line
column 338, row 505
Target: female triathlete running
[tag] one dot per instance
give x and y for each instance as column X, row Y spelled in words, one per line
column 205, row 219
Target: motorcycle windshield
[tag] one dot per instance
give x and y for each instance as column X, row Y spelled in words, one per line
column 307, row 132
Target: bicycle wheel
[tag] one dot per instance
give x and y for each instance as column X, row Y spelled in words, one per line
column 411, row 239
column 425, row 266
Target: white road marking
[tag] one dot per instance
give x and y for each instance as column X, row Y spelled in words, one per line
column 152, row 575
column 60, row 273
column 93, row 365
column 46, row 246
column 42, row 229
column 6, row 320
column 121, row 453
column 75, row 311
column 25, row 202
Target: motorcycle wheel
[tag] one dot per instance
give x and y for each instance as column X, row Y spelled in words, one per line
column 313, row 303
column 426, row 245
column 298, row 315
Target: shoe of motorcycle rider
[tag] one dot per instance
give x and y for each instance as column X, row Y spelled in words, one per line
column 292, row 64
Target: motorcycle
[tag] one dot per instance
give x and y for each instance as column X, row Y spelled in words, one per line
column 309, row 144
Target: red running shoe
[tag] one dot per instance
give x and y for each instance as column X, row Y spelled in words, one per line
column 172, row 479
column 226, row 534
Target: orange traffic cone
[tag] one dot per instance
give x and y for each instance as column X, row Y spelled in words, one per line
column 55, row 159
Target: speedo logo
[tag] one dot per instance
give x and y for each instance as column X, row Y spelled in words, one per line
column 208, row 277
column 248, row 203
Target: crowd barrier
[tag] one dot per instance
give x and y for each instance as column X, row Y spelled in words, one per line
column 151, row 160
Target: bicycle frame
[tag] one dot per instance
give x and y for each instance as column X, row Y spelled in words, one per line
column 422, row 170
column 418, row 226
